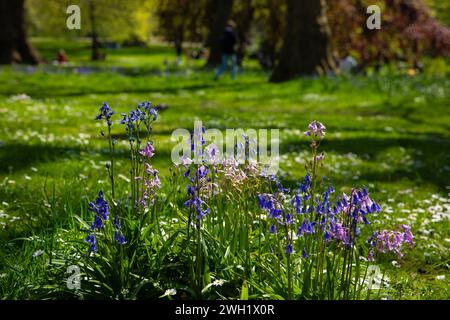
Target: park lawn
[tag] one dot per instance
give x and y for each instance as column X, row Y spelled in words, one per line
column 389, row 132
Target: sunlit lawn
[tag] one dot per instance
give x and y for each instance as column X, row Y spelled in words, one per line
column 388, row 132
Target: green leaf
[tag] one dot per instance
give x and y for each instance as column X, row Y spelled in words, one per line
column 244, row 291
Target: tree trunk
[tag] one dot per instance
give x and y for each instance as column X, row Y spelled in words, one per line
column 14, row 44
column 178, row 40
column 220, row 12
column 245, row 19
column 306, row 48
column 95, row 45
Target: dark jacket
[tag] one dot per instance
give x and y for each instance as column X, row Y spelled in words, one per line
column 228, row 41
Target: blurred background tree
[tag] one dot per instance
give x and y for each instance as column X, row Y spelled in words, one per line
column 306, row 45
column 128, row 21
column 408, row 31
column 180, row 21
column 265, row 29
column 269, row 24
column 218, row 13
column 14, row 44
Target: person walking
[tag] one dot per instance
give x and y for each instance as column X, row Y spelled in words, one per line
column 228, row 42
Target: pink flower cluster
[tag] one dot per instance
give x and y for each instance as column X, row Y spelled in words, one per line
column 151, row 181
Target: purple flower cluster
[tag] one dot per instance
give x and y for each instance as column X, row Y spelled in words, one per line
column 315, row 214
column 336, row 220
column 340, row 221
column 198, row 142
column 105, row 113
column 198, row 181
column 119, row 237
column 144, row 113
column 390, row 241
column 148, row 151
column 101, row 209
column 270, row 204
column 92, row 241
column 315, row 129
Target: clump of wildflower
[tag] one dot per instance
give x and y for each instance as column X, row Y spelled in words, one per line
column 390, row 241
column 271, row 204
column 151, row 178
column 92, row 241
column 105, row 113
column 289, row 249
column 232, row 172
column 315, row 129
column 200, row 181
column 212, row 154
column 119, row 237
column 151, row 184
column 306, row 227
column 101, row 209
column 319, row 157
column 252, row 170
column 198, row 142
column 144, row 115
column 148, row 151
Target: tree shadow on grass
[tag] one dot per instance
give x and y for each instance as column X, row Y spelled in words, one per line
column 59, row 90
column 431, row 153
column 15, row 157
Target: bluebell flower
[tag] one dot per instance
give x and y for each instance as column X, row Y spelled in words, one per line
column 305, row 253
column 117, row 222
column 262, row 201
column 105, row 113
column 289, row 249
column 306, row 227
column 275, row 213
column 92, row 240
column 289, row 219
column 344, row 200
column 101, row 209
column 98, row 223
column 273, row 229
column 119, row 237
column 297, row 203
column 304, row 187
column 154, row 113
column 365, row 191
column 198, row 182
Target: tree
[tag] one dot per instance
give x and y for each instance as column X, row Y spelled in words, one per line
column 220, row 11
column 117, row 20
column 407, row 32
column 306, row 48
column 112, row 15
column 14, row 44
column 269, row 24
column 243, row 14
column 180, row 21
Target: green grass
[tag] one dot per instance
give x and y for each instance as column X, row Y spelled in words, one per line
column 389, row 131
